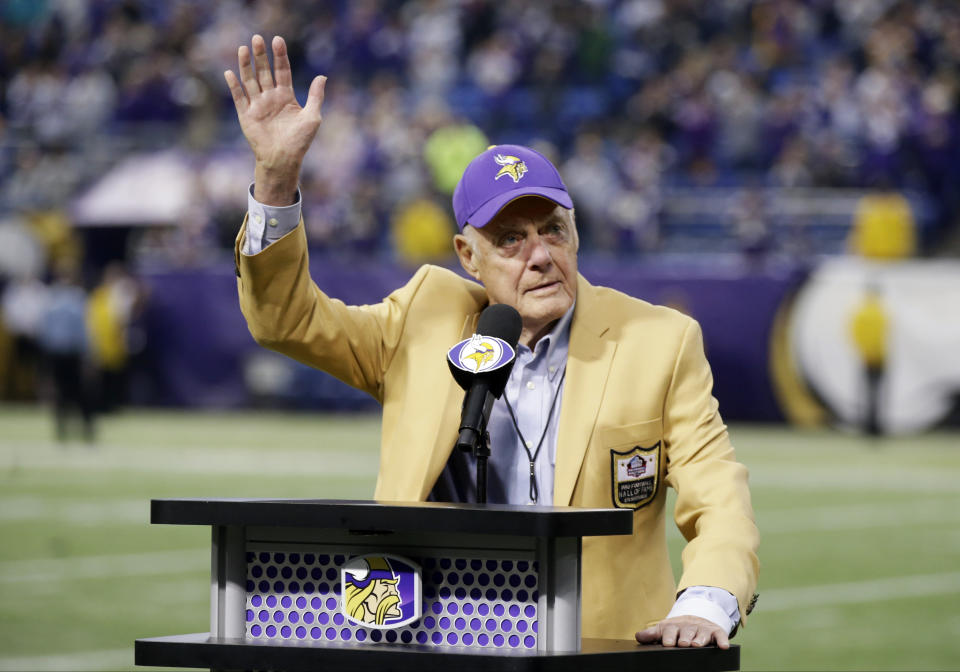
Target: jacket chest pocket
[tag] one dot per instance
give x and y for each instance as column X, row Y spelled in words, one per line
column 635, row 462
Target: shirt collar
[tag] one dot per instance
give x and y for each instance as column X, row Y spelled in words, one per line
column 555, row 343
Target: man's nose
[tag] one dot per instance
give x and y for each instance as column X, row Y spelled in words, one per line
column 539, row 254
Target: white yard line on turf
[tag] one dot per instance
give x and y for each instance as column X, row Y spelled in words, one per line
column 857, row 592
column 105, row 566
column 859, row 516
column 74, row 511
column 190, row 460
column 940, row 511
column 110, row 659
column 877, row 479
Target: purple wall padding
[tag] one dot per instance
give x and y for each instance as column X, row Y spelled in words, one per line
column 735, row 308
column 197, row 340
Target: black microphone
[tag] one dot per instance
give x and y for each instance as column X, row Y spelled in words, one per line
column 481, row 365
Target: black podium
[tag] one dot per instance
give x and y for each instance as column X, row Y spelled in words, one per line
column 352, row 585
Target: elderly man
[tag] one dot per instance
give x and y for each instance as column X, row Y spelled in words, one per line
column 609, row 400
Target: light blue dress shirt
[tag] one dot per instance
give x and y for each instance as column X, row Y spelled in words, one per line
column 537, row 376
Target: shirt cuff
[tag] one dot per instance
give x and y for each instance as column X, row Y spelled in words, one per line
column 714, row 604
column 268, row 223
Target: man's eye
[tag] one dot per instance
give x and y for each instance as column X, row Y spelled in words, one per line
column 509, row 239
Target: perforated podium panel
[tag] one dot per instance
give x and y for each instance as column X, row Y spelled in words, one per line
column 468, row 599
column 302, row 584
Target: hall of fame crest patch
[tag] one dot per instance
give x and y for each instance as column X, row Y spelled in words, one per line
column 635, row 476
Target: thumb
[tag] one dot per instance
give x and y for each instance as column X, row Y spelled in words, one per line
column 315, row 96
column 649, row 636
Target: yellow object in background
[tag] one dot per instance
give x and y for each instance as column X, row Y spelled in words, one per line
column 884, row 227
column 53, row 229
column 107, row 328
column 447, row 152
column 422, row 231
column 868, row 327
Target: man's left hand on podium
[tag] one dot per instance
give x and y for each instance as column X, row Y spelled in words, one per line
column 685, row 631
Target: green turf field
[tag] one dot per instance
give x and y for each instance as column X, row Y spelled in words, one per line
column 860, row 546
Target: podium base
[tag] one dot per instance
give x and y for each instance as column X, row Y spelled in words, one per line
column 200, row 650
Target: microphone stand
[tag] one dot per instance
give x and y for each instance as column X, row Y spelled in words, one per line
column 476, row 441
column 481, row 453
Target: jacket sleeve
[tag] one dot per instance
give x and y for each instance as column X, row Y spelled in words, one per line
column 287, row 312
column 713, row 509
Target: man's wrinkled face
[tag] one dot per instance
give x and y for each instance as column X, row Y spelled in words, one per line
column 526, row 257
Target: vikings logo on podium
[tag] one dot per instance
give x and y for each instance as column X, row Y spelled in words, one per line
column 381, row 591
column 511, row 166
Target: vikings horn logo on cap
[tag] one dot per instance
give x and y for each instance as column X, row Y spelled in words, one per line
column 510, row 165
column 381, row 591
column 479, row 354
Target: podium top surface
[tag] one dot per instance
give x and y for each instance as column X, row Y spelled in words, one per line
column 371, row 516
column 595, row 655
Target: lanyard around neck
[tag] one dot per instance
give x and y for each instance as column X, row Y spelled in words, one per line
column 534, row 489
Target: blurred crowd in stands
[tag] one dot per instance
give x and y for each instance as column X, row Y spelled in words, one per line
column 630, row 97
column 772, row 129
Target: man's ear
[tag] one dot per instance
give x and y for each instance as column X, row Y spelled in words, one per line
column 467, row 255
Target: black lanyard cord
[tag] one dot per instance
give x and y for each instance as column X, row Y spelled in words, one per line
column 534, row 490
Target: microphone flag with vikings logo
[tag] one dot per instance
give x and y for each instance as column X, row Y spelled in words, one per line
column 488, row 354
column 481, row 365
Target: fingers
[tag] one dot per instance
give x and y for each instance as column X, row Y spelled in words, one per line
column 687, row 635
column 649, row 636
column 684, row 634
column 246, row 72
column 315, row 96
column 262, row 63
column 239, row 97
column 668, row 634
column 700, row 637
column 281, row 63
column 256, row 77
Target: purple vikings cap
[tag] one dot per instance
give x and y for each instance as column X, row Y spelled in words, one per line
column 502, row 174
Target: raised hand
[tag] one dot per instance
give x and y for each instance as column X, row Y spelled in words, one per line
column 278, row 129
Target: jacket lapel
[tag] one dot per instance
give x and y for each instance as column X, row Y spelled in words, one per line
column 588, row 367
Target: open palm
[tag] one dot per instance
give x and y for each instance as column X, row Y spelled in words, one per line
column 278, row 129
